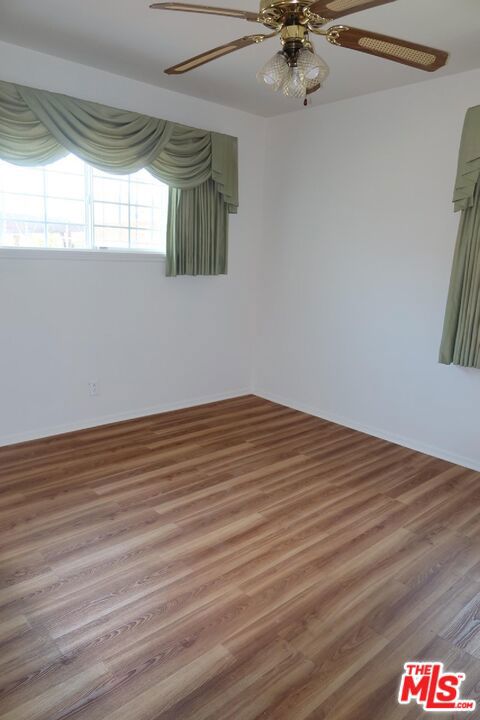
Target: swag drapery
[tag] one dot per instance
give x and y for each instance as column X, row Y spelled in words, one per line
column 38, row 127
column 461, row 332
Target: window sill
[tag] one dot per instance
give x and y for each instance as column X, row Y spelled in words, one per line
column 95, row 255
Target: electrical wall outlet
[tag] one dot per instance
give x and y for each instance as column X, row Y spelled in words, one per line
column 93, row 389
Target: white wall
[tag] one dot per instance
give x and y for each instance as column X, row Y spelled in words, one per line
column 359, row 241
column 345, row 306
column 151, row 342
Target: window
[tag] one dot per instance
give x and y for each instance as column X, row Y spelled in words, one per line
column 71, row 205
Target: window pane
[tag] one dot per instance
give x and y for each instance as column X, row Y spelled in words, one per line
column 143, row 194
column 141, row 217
column 110, row 237
column 66, row 236
column 69, row 211
column 110, row 190
column 144, row 176
column 69, row 204
column 110, row 214
column 142, row 239
column 63, row 185
column 68, row 164
column 21, row 179
column 24, row 207
column 17, row 233
column 147, row 240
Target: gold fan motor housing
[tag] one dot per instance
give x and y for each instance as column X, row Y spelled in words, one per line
column 278, row 14
column 266, row 4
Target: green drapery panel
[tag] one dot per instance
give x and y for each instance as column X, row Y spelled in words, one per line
column 202, row 251
column 468, row 171
column 461, row 331
column 39, row 127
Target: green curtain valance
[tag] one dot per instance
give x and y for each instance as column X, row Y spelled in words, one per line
column 38, row 127
column 468, row 171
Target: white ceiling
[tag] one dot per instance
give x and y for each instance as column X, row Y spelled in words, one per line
column 127, row 38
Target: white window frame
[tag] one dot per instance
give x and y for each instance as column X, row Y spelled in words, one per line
column 88, row 253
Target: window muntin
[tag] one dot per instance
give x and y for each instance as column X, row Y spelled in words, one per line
column 71, row 205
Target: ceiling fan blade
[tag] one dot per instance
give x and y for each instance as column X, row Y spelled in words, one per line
column 206, row 10
column 215, row 53
column 390, row 48
column 332, row 9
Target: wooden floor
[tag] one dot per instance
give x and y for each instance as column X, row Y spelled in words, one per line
column 233, row 561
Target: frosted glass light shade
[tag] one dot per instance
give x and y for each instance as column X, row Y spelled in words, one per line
column 294, row 85
column 274, row 72
column 313, row 69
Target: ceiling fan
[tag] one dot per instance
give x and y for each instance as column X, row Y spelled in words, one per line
column 296, row 69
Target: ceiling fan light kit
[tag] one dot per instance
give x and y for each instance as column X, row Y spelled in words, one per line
column 294, row 72
column 275, row 72
column 296, row 69
column 312, row 67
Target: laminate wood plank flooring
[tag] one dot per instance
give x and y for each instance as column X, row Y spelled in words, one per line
column 238, row 560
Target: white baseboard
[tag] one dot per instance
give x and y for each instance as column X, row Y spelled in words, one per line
column 410, row 443
column 118, row 417
column 471, row 463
